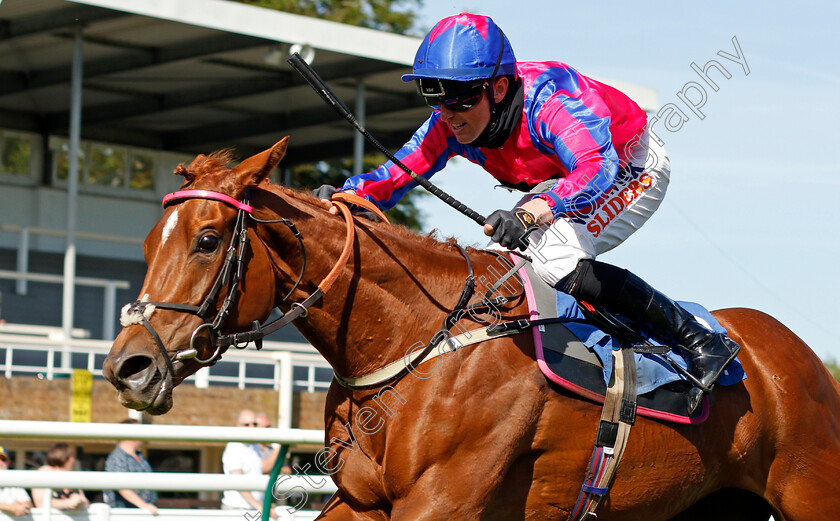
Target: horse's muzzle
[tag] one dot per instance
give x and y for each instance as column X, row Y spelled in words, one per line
column 142, row 382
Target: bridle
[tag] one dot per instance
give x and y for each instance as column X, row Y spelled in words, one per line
column 231, row 274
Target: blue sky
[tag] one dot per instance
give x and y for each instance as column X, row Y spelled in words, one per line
column 751, row 214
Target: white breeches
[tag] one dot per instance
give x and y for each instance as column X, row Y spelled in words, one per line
column 636, row 194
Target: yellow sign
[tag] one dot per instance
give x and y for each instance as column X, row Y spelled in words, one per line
column 82, row 381
column 80, row 403
column 80, row 409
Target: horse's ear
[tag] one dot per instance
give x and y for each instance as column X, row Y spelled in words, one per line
column 253, row 170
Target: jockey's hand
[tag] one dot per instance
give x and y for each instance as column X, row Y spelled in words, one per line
column 510, row 229
column 325, row 193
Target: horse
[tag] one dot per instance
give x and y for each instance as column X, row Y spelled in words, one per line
column 479, row 433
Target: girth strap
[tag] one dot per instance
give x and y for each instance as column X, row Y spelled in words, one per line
column 617, row 416
column 415, row 358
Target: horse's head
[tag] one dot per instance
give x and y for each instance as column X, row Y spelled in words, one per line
column 188, row 296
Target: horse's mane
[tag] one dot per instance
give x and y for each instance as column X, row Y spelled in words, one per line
column 224, row 156
column 430, row 240
column 221, row 158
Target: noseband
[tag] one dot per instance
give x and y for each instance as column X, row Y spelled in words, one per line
column 232, row 272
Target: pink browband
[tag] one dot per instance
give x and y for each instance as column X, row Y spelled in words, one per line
column 207, row 194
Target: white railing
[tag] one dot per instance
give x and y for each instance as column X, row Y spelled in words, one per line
column 103, row 237
column 14, row 345
column 161, row 481
column 165, row 481
column 22, row 274
column 102, row 512
column 176, row 433
column 273, row 354
column 110, row 287
column 279, row 359
column 37, row 330
column 24, row 246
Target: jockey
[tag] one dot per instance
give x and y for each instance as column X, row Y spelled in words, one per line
column 591, row 170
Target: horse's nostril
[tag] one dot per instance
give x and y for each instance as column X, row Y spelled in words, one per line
column 134, row 366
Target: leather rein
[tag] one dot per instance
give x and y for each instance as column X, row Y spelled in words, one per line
column 231, row 274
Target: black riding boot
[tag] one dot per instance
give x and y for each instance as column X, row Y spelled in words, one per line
column 708, row 352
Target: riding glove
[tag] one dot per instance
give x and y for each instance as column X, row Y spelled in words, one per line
column 511, row 228
column 324, row 192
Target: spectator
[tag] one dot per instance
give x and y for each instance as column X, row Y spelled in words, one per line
column 268, row 452
column 127, row 457
column 13, row 500
column 61, row 456
column 243, row 458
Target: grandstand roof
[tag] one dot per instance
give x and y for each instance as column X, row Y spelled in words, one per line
column 198, row 75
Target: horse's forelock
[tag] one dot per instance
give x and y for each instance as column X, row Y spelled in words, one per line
column 203, row 165
column 182, row 171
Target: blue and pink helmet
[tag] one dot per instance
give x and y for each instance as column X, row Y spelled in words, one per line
column 466, row 48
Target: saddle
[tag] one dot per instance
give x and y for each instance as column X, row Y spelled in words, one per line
column 575, row 354
column 608, row 364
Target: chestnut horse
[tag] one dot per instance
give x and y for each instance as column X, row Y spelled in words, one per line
column 482, row 435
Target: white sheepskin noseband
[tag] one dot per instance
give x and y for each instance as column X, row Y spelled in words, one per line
column 133, row 315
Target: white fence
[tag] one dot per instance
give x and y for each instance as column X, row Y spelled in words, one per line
column 23, row 247
column 110, row 286
column 22, row 275
column 282, row 366
column 102, row 512
column 156, row 481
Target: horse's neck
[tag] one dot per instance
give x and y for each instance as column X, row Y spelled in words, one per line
column 390, row 298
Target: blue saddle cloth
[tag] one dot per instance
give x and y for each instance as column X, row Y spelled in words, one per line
column 652, row 370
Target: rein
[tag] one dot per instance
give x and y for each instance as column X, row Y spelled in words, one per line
column 444, row 338
column 231, row 274
column 232, row 271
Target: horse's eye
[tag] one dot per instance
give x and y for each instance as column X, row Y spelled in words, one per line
column 208, row 243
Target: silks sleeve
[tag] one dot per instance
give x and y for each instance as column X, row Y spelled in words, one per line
column 426, row 153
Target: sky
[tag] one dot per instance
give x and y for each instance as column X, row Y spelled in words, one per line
column 751, row 214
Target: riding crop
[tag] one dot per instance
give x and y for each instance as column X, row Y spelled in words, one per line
column 332, row 100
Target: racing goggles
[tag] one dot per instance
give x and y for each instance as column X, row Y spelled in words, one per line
column 450, row 94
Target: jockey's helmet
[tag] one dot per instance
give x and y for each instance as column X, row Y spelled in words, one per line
column 459, row 54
